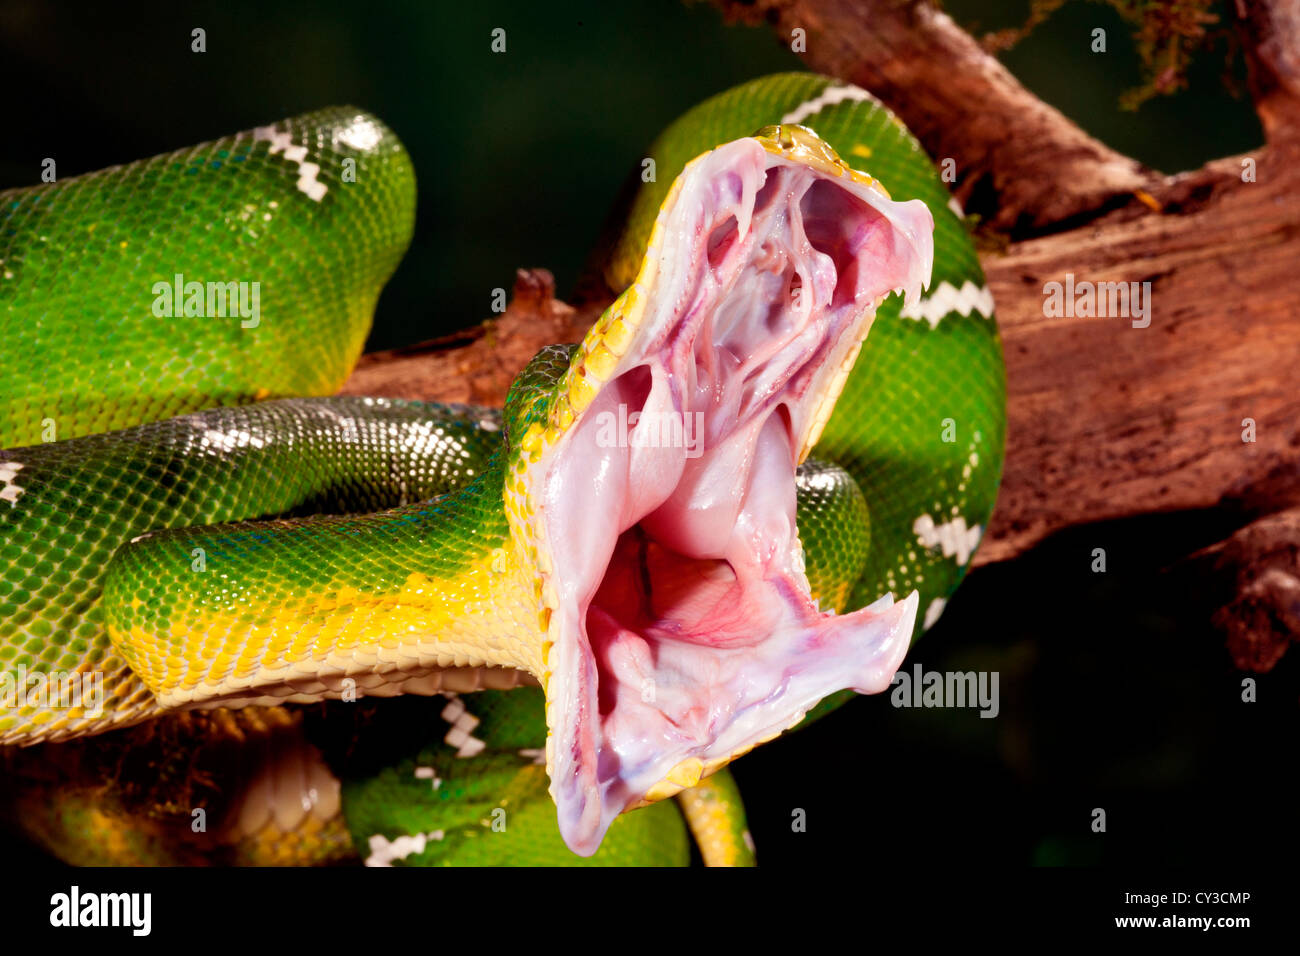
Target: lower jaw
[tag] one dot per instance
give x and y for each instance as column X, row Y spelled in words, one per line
column 700, row 639
column 757, row 660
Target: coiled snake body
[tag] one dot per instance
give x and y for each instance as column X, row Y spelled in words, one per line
column 184, row 526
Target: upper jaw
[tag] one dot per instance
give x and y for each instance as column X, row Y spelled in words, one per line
column 660, row 499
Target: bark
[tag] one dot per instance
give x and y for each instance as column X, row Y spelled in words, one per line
column 1106, row 420
column 1257, row 572
column 477, row 365
column 1020, row 164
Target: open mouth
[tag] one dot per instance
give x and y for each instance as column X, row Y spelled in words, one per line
column 681, row 630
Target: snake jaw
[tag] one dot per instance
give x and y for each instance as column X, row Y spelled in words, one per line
column 680, row 631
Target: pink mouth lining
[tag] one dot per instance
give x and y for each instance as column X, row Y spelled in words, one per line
column 684, row 628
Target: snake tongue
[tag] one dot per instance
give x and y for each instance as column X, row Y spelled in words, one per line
column 682, row 630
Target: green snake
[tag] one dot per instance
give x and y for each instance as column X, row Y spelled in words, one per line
column 635, row 542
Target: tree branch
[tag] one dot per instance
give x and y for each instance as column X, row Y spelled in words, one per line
column 478, row 365
column 1106, row 420
column 1257, row 571
column 1270, row 33
column 1020, row 163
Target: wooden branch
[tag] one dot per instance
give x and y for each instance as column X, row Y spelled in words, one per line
column 1270, row 33
column 1258, row 571
column 478, row 365
column 1020, row 163
column 1106, row 420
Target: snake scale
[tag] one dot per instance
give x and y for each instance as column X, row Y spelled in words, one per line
column 627, row 577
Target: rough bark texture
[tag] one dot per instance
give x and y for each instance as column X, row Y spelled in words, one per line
column 1259, row 608
column 962, row 104
column 1104, row 420
column 478, row 364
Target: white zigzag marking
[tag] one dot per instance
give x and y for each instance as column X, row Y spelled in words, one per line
column 535, row 754
column 945, row 299
column 462, row 722
column 428, row 773
column 953, row 537
column 10, row 490
column 383, row 851
column 283, row 142
column 933, row 612
column 829, row 97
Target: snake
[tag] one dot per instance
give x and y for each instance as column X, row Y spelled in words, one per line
column 737, row 501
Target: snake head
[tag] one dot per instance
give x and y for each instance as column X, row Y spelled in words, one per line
column 654, row 491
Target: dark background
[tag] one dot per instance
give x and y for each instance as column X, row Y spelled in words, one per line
column 1115, row 691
